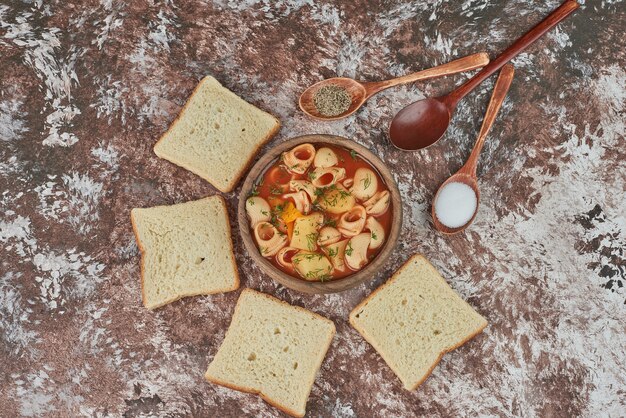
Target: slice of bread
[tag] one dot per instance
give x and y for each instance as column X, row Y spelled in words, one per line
column 216, row 135
column 186, row 250
column 273, row 349
column 414, row 319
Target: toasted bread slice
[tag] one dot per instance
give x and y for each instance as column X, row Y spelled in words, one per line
column 186, row 250
column 273, row 349
column 414, row 319
column 216, row 135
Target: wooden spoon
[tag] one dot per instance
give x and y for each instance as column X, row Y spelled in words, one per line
column 360, row 91
column 467, row 173
column 422, row 123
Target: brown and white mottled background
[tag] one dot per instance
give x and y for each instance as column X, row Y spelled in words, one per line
column 87, row 87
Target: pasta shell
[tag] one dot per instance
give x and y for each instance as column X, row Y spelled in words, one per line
column 352, row 222
column 356, row 251
column 279, row 176
column 305, row 231
column 299, row 159
column 365, row 184
column 303, row 185
column 325, row 177
column 377, row 232
column 378, row 204
column 328, row 235
column 258, row 210
column 336, row 200
column 336, row 254
column 312, row 266
column 269, row 239
column 285, row 255
column 348, row 182
column 325, row 157
column 301, row 200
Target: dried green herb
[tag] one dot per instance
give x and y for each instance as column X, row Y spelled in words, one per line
column 332, row 100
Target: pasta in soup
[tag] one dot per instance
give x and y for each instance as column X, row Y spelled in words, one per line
column 320, row 212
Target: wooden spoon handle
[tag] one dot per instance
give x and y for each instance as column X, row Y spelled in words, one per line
column 470, row 62
column 497, row 98
column 511, row 52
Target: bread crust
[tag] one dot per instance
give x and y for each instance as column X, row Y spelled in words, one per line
column 372, row 342
column 259, row 392
column 253, row 154
column 245, row 166
column 142, row 251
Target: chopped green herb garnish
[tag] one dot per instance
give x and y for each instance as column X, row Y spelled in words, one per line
column 332, row 201
column 349, row 249
column 353, row 154
column 367, row 181
column 332, row 251
column 330, row 222
column 275, row 190
column 276, row 212
column 374, row 237
column 312, row 256
column 344, row 194
column 324, row 277
column 320, row 274
column 311, row 240
column 319, row 192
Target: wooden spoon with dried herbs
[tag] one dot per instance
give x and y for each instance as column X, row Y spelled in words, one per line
column 338, row 97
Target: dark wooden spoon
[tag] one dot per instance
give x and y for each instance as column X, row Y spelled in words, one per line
column 360, row 91
column 422, row 123
column 467, row 173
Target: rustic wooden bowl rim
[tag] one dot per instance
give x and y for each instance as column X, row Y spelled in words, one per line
column 370, row 271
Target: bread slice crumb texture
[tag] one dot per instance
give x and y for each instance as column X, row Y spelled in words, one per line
column 413, row 319
column 216, row 135
column 186, row 250
column 274, row 349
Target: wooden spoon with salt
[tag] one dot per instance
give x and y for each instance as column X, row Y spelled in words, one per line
column 467, row 174
column 360, row 91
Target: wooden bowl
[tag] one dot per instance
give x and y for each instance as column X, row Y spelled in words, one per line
column 370, row 270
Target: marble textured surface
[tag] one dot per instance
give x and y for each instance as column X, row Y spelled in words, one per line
column 87, row 87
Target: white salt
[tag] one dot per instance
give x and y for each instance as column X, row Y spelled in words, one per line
column 455, row 204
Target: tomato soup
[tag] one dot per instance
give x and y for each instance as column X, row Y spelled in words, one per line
column 320, row 212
